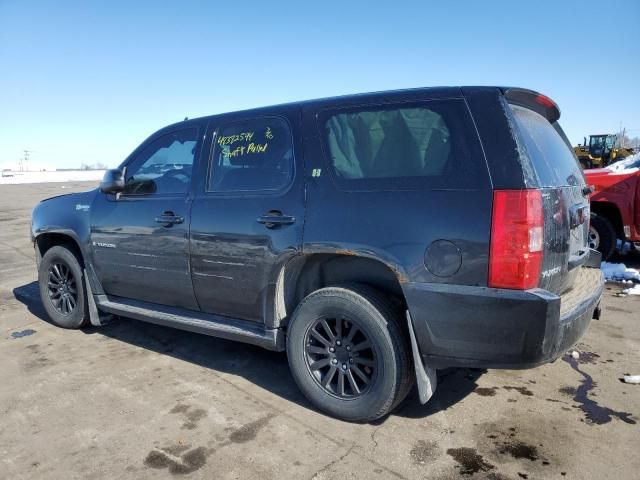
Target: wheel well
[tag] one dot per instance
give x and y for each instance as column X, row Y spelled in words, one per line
column 610, row 212
column 309, row 273
column 47, row 240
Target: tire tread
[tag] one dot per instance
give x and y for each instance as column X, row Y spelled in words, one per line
column 607, row 235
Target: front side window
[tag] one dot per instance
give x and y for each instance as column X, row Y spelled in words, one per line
column 401, row 147
column 252, row 156
column 164, row 166
column 597, row 141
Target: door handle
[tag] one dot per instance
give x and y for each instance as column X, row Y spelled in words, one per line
column 169, row 218
column 275, row 218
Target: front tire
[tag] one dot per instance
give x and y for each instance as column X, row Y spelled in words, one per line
column 602, row 236
column 349, row 353
column 62, row 289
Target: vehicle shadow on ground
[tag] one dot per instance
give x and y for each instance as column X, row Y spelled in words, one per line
column 267, row 369
column 631, row 259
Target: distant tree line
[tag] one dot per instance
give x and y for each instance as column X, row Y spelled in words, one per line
column 95, row 166
column 627, row 141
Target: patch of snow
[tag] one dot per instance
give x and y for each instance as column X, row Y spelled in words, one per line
column 10, row 178
column 619, row 272
column 635, row 290
column 626, row 165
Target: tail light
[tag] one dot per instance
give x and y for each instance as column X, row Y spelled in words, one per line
column 517, row 236
column 546, row 101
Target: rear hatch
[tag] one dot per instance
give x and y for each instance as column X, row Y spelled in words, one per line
column 551, row 165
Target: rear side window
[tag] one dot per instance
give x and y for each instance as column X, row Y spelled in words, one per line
column 252, row 156
column 551, row 156
column 404, row 146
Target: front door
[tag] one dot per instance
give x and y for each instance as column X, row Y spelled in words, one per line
column 140, row 238
column 248, row 213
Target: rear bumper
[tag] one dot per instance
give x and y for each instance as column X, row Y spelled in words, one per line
column 481, row 327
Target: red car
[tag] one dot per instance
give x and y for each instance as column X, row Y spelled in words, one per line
column 615, row 205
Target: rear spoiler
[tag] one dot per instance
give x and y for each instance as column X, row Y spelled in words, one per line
column 533, row 101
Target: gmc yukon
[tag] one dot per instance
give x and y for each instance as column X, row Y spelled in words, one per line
column 375, row 238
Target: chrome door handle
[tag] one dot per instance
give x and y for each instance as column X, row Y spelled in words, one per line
column 275, row 218
column 168, row 219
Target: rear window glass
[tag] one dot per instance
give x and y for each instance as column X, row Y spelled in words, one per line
column 551, row 156
column 408, row 146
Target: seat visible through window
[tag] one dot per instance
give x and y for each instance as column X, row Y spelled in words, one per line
column 404, row 142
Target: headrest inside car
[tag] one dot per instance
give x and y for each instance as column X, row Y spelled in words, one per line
column 254, row 160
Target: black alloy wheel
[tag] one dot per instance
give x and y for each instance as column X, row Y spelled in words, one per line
column 340, row 357
column 62, row 288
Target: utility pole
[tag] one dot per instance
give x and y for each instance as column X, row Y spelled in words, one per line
column 26, row 160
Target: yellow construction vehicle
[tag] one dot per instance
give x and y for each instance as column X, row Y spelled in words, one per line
column 601, row 151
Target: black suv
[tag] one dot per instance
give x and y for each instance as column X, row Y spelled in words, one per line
column 375, row 238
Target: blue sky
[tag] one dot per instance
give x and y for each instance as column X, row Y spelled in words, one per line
column 86, row 82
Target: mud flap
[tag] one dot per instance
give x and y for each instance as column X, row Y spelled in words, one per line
column 96, row 318
column 594, row 260
column 597, row 312
column 425, row 376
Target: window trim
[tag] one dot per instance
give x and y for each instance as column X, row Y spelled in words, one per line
column 136, row 155
column 323, row 116
column 249, row 193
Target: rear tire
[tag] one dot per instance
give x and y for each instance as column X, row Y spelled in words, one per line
column 602, row 236
column 62, row 288
column 360, row 368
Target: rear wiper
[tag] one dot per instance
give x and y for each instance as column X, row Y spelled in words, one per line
column 588, row 190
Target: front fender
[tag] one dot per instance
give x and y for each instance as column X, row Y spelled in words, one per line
column 68, row 215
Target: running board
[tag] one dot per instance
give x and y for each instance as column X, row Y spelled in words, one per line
column 198, row 322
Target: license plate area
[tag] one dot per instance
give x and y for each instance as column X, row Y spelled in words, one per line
column 578, row 235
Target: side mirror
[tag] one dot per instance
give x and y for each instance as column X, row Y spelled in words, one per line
column 113, row 181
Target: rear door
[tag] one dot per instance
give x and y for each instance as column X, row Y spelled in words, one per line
column 248, row 213
column 556, row 171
